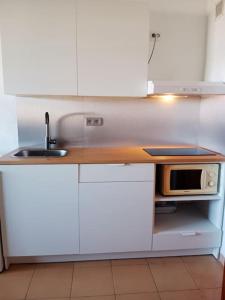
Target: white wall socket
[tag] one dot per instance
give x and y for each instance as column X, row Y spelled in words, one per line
column 93, row 121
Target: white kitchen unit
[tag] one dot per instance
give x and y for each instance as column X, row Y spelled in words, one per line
column 39, row 47
column 40, row 210
column 113, row 45
column 101, row 211
column 116, row 208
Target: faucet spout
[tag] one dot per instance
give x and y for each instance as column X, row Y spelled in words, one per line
column 48, row 140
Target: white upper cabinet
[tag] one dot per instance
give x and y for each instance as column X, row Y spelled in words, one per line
column 74, row 47
column 112, row 44
column 39, row 47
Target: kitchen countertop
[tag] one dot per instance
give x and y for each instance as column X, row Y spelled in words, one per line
column 109, row 155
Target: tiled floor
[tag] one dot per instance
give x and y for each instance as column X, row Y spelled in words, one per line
column 178, row 278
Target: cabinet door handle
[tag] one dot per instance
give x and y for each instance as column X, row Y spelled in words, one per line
column 189, row 233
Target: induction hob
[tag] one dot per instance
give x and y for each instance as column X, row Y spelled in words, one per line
column 178, row 151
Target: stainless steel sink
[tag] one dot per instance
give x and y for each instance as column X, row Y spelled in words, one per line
column 41, row 153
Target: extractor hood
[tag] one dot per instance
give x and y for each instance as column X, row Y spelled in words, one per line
column 185, row 88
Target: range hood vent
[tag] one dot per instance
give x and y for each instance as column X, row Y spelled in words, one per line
column 185, row 88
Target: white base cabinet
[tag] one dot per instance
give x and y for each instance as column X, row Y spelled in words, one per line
column 40, row 209
column 115, row 217
column 116, row 208
column 96, row 211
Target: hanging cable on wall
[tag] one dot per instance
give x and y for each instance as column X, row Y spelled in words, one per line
column 155, row 36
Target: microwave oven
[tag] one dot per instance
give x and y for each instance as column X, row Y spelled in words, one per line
column 189, row 179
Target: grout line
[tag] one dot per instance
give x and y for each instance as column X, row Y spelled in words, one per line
column 189, row 272
column 72, row 279
column 159, row 295
column 152, row 292
column 177, row 291
column 138, row 293
column 111, row 268
column 149, row 267
column 81, row 297
column 185, row 290
column 31, row 279
column 215, row 288
column 157, row 290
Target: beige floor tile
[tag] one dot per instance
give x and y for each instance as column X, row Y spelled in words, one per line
column 14, row 283
column 147, row 296
column 127, row 262
column 133, row 279
column 181, row 295
column 172, row 277
column 206, row 271
column 51, row 281
column 93, row 281
column 93, row 298
column 211, row 294
column 156, row 260
column 93, row 263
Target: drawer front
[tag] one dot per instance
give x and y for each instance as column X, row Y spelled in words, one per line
column 116, row 172
column 176, row 241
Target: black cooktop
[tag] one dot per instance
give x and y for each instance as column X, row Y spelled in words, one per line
column 178, row 151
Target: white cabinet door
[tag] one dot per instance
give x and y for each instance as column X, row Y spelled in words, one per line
column 115, row 216
column 39, row 46
column 40, row 209
column 112, row 41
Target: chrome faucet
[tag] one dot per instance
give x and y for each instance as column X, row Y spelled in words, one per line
column 48, row 140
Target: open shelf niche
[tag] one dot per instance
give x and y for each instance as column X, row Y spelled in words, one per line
column 196, row 223
column 192, row 226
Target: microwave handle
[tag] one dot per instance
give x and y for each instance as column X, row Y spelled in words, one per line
column 203, row 179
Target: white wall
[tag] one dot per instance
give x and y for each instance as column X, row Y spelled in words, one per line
column 8, row 120
column 180, row 51
column 215, row 66
column 198, row 7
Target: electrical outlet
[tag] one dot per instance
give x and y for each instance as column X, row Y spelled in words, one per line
column 92, row 121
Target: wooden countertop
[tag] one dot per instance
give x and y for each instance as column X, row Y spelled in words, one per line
column 108, row 155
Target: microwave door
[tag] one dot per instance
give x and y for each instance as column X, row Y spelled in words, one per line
column 186, row 179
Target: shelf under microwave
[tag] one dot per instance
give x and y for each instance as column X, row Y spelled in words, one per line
column 160, row 198
column 187, row 228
